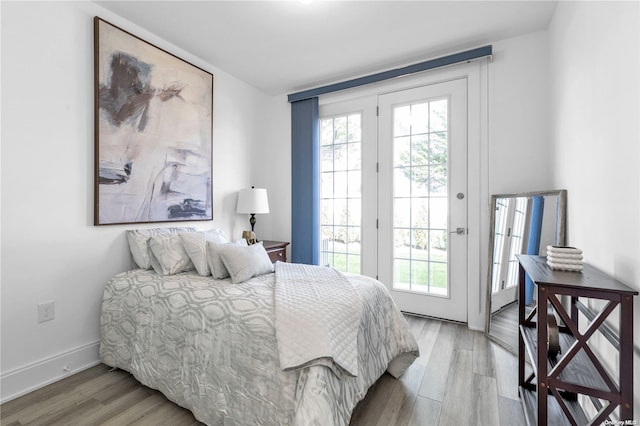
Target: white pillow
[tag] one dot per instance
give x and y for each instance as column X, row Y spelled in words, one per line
column 216, row 266
column 139, row 242
column 195, row 244
column 168, row 256
column 245, row 262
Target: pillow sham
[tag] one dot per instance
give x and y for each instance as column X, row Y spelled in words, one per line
column 195, row 244
column 139, row 242
column 245, row 262
column 168, row 257
column 216, row 266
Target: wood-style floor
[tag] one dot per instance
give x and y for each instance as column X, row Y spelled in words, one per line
column 504, row 325
column 461, row 378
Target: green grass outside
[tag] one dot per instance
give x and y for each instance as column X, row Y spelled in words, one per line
column 422, row 268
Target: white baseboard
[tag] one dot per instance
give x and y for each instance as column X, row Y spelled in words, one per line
column 28, row 378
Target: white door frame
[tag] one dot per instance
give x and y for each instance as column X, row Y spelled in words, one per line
column 476, row 73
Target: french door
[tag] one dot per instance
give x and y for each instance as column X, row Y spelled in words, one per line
column 393, row 194
column 422, row 249
column 348, row 186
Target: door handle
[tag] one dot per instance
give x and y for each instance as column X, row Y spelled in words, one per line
column 459, row 231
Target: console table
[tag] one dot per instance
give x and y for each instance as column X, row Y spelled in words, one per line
column 550, row 394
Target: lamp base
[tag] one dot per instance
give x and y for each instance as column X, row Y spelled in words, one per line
column 252, row 221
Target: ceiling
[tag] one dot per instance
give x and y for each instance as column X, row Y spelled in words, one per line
column 286, row 46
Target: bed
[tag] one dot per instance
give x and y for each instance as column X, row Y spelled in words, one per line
column 214, row 346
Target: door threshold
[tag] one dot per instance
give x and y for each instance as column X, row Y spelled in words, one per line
column 434, row 318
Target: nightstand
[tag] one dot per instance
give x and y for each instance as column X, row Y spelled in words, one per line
column 277, row 250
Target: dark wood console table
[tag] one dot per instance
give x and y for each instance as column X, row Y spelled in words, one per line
column 550, row 394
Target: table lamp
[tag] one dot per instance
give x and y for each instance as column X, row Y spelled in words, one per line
column 252, row 201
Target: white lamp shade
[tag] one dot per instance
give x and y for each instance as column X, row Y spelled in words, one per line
column 253, row 201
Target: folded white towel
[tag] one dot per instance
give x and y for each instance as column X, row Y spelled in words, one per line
column 564, row 266
column 563, row 250
column 557, row 259
column 557, row 255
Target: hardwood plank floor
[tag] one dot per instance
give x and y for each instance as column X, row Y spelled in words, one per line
column 504, row 325
column 461, row 378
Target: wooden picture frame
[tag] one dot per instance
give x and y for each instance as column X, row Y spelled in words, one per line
column 153, row 132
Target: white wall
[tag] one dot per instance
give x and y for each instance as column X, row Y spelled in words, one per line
column 595, row 69
column 519, row 146
column 273, row 171
column 50, row 248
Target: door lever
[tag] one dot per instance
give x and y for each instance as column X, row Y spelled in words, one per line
column 458, row 231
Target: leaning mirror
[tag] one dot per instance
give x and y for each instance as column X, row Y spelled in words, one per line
column 520, row 223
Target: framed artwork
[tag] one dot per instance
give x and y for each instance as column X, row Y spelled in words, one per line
column 153, row 132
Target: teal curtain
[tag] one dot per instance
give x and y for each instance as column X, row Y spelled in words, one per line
column 535, row 231
column 305, row 197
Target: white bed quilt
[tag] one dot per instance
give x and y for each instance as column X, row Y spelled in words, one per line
column 211, row 347
column 318, row 313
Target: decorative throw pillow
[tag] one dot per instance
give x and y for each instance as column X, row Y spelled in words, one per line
column 139, row 242
column 245, row 262
column 195, row 244
column 218, row 270
column 168, row 256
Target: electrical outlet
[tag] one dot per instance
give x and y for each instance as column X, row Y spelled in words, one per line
column 46, row 311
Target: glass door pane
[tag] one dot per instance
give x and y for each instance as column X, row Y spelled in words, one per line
column 340, row 192
column 420, row 197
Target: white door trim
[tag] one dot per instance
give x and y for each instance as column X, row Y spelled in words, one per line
column 478, row 166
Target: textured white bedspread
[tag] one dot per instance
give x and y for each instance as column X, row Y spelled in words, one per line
column 210, row 346
column 317, row 318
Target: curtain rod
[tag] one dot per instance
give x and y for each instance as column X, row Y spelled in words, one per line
column 443, row 61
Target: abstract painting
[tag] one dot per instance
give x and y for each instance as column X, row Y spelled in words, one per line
column 153, row 132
